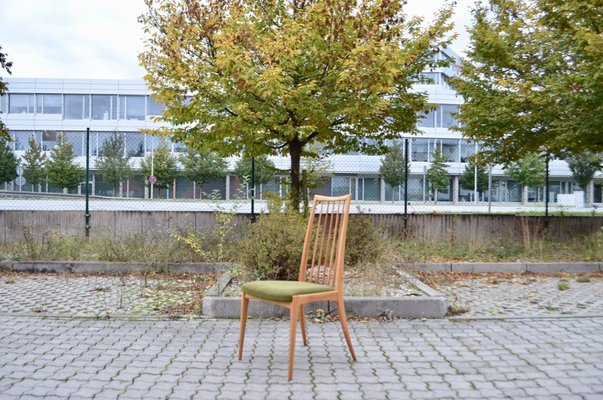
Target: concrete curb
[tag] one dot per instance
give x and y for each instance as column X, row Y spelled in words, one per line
column 432, row 305
column 109, row 267
column 520, row 267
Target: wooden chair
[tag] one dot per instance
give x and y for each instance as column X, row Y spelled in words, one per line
column 320, row 273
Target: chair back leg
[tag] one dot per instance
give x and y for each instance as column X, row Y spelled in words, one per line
column 344, row 326
column 244, row 306
column 302, row 323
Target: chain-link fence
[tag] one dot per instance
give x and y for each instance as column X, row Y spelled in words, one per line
column 158, row 177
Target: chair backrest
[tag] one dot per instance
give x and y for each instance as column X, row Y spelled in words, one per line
column 323, row 255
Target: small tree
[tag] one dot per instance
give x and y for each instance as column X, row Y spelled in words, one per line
column 584, row 166
column 33, row 164
column 467, row 178
column 264, row 169
column 61, row 169
column 529, row 171
column 393, row 167
column 8, row 162
column 113, row 164
column 201, row 167
column 437, row 173
column 163, row 165
column 6, row 65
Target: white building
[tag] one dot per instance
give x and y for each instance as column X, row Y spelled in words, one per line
column 45, row 108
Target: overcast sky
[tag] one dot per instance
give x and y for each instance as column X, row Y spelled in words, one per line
column 100, row 39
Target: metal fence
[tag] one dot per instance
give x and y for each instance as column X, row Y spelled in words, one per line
column 357, row 174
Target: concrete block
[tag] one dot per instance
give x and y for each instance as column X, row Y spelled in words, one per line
column 411, row 307
column 488, row 267
column 575, row 267
column 427, row 267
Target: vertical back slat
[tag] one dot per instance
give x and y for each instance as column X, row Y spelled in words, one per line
column 336, row 240
column 313, row 263
column 324, row 238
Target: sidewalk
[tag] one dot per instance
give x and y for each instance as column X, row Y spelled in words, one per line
column 83, row 359
column 138, row 353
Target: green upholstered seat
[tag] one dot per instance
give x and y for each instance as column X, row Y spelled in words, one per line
column 282, row 290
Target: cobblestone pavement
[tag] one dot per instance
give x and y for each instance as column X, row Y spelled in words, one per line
column 527, row 295
column 90, row 296
column 51, row 358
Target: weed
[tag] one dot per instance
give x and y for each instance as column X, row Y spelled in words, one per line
column 457, row 309
column 563, row 284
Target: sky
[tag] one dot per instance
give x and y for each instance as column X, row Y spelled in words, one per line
column 101, row 39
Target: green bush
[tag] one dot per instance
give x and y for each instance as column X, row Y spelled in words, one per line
column 273, row 246
column 364, row 242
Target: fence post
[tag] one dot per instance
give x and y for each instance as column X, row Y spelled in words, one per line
column 406, row 165
column 87, row 212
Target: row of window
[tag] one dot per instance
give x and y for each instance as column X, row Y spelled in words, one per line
column 82, row 106
column 113, row 107
column 137, row 144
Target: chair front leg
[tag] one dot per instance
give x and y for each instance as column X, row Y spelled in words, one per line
column 244, row 306
column 292, row 331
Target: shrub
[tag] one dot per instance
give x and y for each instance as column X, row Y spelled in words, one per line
column 363, row 240
column 273, row 246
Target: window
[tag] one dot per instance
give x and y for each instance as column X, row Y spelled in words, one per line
column 448, row 120
column 49, row 140
column 135, row 144
column 104, row 107
column 77, row 106
column 77, row 140
column 49, row 104
column 22, row 139
column 427, row 121
column 340, row 185
column 132, row 107
column 154, row 108
column 450, row 150
column 467, row 150
column 21, row 103
column 430, row 78
column 419, row 150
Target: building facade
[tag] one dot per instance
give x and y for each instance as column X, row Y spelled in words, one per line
column 45, row 108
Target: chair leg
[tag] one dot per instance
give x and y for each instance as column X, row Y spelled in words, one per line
column 293, row 320
column 244, row 306
column 302, row 322
column 344, row 327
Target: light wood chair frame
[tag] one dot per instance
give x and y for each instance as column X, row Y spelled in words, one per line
column 325, row 267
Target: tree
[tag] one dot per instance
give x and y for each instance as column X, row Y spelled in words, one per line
column 8, row 162
column 467, row 178
column 528, row 172
column 6, row 65
column 61, row 169
column 263, row 172
column 34, row 170
column 163, row 165
column 538, row 63
column 113, row 164
column 201, row 167
column 273, row 77
column 584, row 166
column 437, row 173
column 393, row 166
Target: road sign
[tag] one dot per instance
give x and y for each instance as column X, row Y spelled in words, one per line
column 152, row 179
column 20, row 181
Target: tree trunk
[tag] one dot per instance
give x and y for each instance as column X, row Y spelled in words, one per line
column 295, row 150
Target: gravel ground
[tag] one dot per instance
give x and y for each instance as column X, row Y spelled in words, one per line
column 101, row 296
